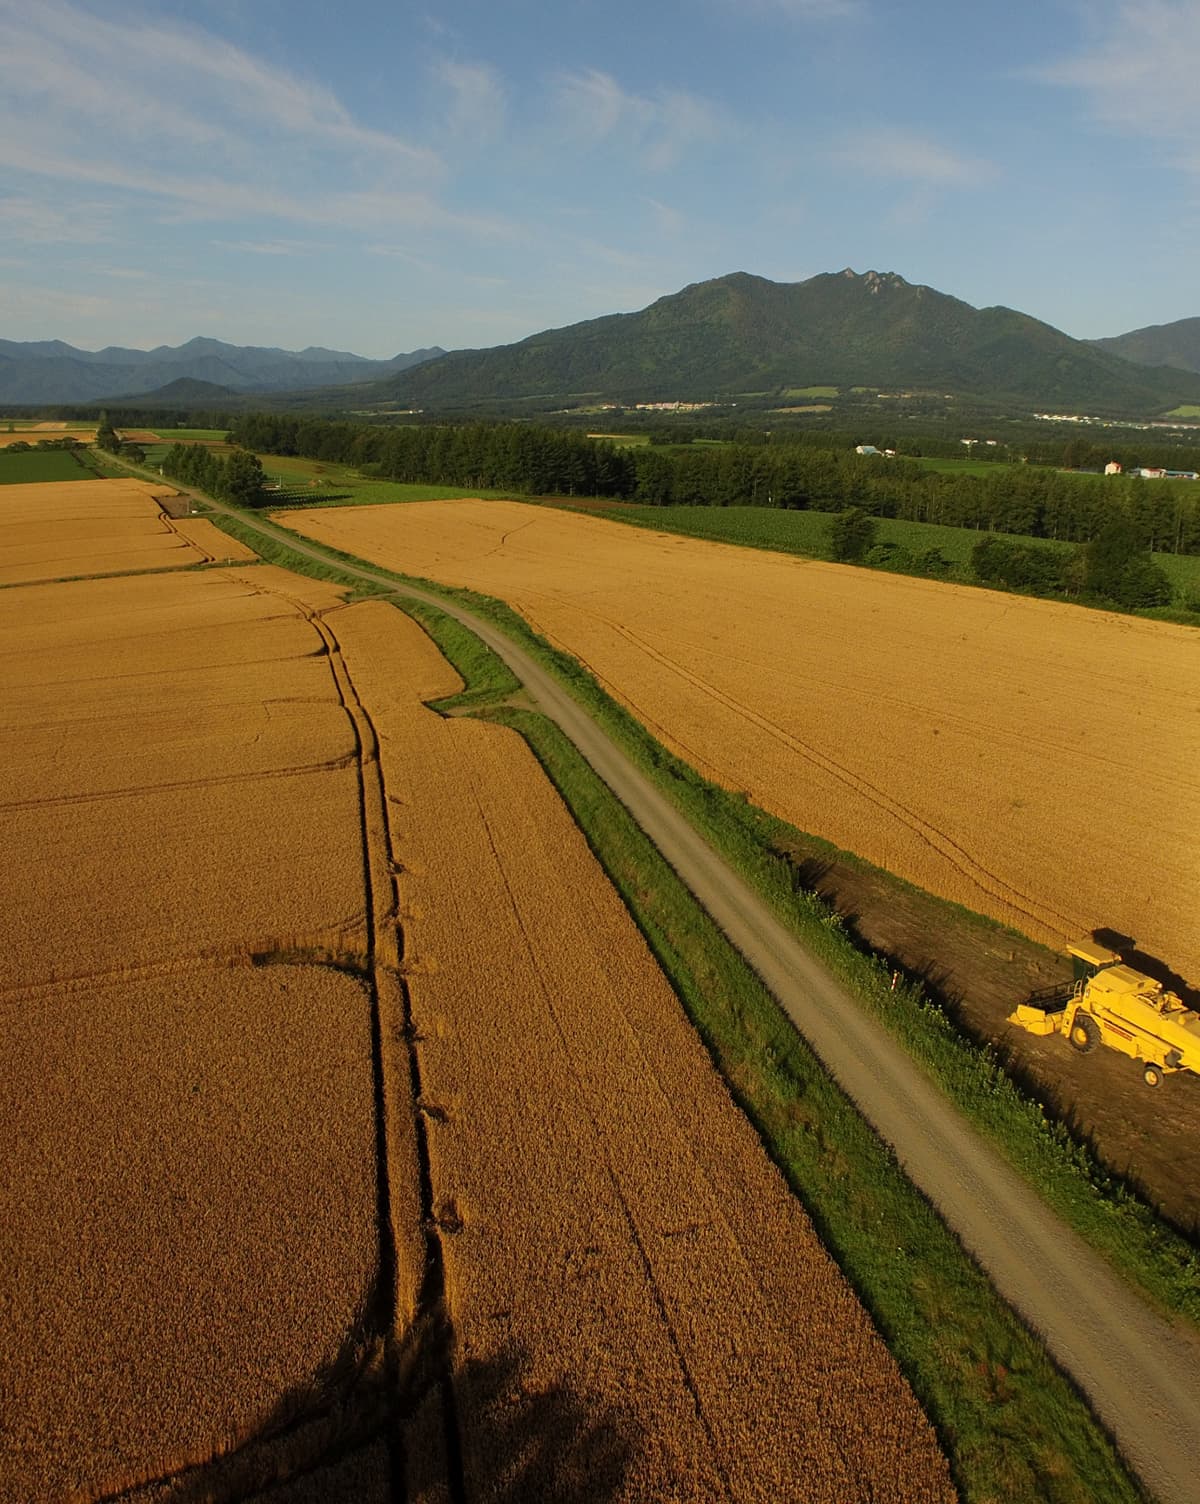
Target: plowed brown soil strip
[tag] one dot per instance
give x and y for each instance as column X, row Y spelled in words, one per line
column 643, row 1311
column 1033, row 761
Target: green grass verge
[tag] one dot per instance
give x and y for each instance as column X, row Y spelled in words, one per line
column 487, row 679
column 36, row 467
column 1011, row 1425
column 1150, row 1254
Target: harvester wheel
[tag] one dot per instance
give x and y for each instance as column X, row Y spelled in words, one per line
column 1152, row 1075
column 1085, row 1033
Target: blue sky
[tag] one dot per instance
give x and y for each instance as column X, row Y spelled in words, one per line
column 377, row 177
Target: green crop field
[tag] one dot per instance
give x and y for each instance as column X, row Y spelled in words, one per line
column 1188, row 410
column 810, row 391
column 314, row 483
column 807, row 533
column 33, row 467
column 623, row 440
column 201, row 434
column 965, row 466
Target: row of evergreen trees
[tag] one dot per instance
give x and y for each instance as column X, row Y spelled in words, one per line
column 1113, row 568
column 236, row 477
column 1024, row 499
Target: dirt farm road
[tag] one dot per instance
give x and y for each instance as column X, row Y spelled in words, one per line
column 1140, row 1371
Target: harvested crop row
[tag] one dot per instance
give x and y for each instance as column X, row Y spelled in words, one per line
column 976, row 744
column 643, row 1310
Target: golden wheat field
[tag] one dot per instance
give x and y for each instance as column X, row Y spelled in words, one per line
column 188, row 1211
column 640, row 1304
column 1033, row 761
column 36, row 431
column 110, row 526
column 187, row 1226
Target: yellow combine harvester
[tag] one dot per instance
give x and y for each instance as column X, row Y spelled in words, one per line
column 1110, row 1003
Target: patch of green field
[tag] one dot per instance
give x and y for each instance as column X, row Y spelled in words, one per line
column 315, row 483
column 366, row 493
column 208, row 434
column 623, row 440
column 1183, row 571
column 1188, row 410
column 34, row 467
column 964, row 466
column 810, row 391
column 807, row 534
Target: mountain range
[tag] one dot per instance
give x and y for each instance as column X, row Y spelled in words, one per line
column 51, row 371
column 741, row 334
column 1176, row 344
column 724, row 340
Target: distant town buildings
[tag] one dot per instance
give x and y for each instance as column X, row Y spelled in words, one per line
column 672, row 407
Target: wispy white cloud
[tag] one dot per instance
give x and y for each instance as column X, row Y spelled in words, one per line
column 51, row 302
column 474, row 99
column 912, row 158
column 269, row 247
column 666, row 219
column 658, row 129
column 164, row 80
column 201, row 130
column 796, row 10
column 26, row 220
column 1137, row 69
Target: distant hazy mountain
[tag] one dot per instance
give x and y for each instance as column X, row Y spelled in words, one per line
column 187, row 391
column 1176, row 345
column 741, row 333
column 51, row 371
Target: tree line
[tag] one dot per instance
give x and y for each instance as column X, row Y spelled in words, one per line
column 236, row 477
column 1113, row 568
column 1023, row 499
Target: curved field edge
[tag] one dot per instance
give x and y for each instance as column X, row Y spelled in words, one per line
column 1007, row 1419
column 1145, row 1250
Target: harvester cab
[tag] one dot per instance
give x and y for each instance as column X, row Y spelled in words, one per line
column 1110, row 1003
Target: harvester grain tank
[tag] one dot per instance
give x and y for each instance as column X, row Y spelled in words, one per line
column 1110, row 1003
